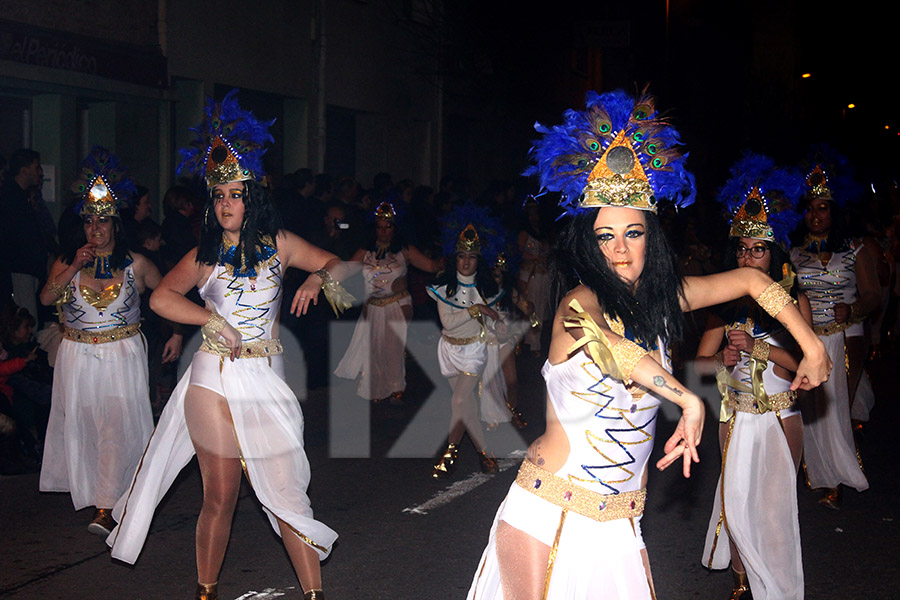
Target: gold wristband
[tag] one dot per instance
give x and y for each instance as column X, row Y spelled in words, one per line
column 214, row 324
column 474, row 311
column 760, row 350
column 325, row 276
column 56, row 288
column 627, row 355
column 773, row 299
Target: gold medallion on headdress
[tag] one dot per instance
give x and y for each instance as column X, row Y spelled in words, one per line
column 468, row 240
column 817, row 184
column 386, row 211
column 100, row 200
column 223, row 165
column 752, row 219
column 618, row 179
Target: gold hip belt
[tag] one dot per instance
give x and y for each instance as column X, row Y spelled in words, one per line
column 574, row 498
column 254, row 349
column 385, row 300
column 747, row 403
column 102, row 336
column 462, row 341
column 832, row 328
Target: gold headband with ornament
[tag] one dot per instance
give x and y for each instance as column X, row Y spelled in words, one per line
column 817, row 184
column 468, row 240
column 100, row 200
column 618, row 179
column 223, row 165
column 751, row 220
column 386, row 211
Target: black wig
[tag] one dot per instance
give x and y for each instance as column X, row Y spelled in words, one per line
column 653, row 310
column 260, row 220
column 484, row 279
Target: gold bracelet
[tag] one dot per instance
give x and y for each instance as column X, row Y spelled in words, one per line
column 760, row 350
column 325, row 276
column 214, row 324
column 57, row 289
column 627, row 355
column 474, row 311
column 773, row 299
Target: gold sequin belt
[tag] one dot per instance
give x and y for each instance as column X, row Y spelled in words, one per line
column 101, row 336
column 832, row 328
column 747, row 404
column 255, row 349
column 568, row 496
column 462, row 341
column 385, row 300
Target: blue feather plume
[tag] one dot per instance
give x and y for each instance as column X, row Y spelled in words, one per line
column 491, row 232
column 102, row 162
column 844, row 187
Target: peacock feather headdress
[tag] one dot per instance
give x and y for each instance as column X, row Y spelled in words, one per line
column 229, row 146
column 103, row 184
column 618, row 152
column 829, row 176
column 761, row 199
column 471, row 228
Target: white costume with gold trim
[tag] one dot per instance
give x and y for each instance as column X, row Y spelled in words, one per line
column 610, row 433
column 760, row 488
column 268, row 422
column 100, row 416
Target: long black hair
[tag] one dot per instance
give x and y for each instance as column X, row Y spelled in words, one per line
column 484, row 279
column 76, row 238
column 260, row 220
column 653, row 309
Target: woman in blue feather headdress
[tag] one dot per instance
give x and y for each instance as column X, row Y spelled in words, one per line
column 760, row 429
column 232, row 408
column 570, row 525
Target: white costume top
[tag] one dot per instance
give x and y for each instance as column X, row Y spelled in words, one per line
column 610, row 429
column 376, row 350
column 758, row 481
column 829, row 450
column 100, row 416
column 268, row 422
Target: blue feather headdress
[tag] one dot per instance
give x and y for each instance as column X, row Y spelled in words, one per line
column 229, row 145
column 103, row 184
column 761, row 199
column 829, row 176
column 471, row 228
column 618, row 152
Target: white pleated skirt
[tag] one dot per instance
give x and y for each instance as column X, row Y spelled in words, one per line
column 100, row 420
column 268, row 425
column 760, row 492
column 493, row 388
column 594, row 560
column 828, row 446
column 376, row 351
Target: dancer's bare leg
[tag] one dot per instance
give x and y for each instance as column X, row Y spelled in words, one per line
column 736, row 562
column 212, row 433
column 508, row 364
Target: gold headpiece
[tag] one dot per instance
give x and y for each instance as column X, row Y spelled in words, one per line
column 223, row 165
column 468, row 240
column 752, row 219
column 102, row 184
column 817, row 184
column 386, row 211
column 501, row 263
column 100, row 200
column 618, row 179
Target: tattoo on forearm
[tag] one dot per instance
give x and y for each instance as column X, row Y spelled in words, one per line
column 660, row 381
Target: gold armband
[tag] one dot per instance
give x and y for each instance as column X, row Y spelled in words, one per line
column 210, row 332
column 761, row 350
column 215, row 323
column 338, row 297
column 627, row 355
column 474, row 311
column 773, row 299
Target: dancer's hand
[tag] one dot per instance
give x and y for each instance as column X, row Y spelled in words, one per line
column 683, row 442
column 84, row 256
column 232, row 339
column 306, row 295
column 741, row 340
column 489, row 312
column 814, row 370
column 172, row 349
column 730, row 356
column 842, row 312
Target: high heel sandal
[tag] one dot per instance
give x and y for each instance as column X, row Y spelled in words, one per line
column 488, row 463
column 102, row 523
column 741, row 589
column 314, row 595
column 832, row 498
column 207, row 591
column 446, row 464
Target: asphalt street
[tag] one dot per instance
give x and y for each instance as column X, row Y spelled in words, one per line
column 406, row 536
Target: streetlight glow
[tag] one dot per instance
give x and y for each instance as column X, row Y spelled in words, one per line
column 806, row 75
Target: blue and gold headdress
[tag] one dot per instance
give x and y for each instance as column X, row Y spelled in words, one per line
column 103, row 184
column 229, row 145
column 829, row 177
column 471, row 228
column 760, row 199
column 617, row 152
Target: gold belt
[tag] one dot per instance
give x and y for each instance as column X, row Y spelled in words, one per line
column 747, row 404
column 832, row 328
column 462, row 341
column 255, row 349
column 102, row 336
column 568, row 496
column 385, row 300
